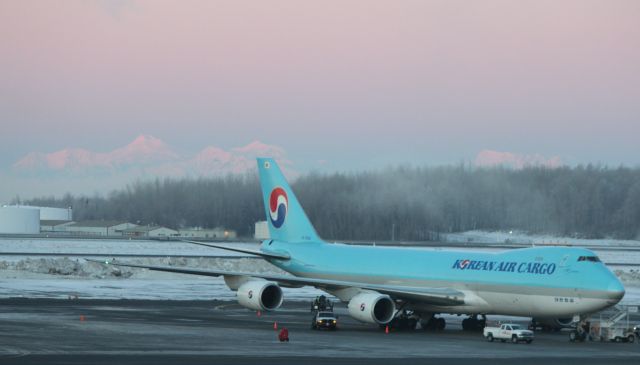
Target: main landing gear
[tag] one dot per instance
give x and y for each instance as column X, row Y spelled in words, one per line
column 433, row 323
column 408, row 320
column 473, row 323
column 404, row 320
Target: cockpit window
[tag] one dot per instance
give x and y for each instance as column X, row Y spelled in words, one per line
column 589, row 258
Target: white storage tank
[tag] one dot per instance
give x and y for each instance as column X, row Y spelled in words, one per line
column 48, row 213
column 55, row 214
column 19, row 220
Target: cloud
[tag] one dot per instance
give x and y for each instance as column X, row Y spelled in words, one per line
column 487, row 158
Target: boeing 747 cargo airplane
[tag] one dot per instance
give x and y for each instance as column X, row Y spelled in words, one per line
column 552, row 284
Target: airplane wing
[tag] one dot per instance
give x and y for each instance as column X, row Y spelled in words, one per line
column 435, row 296
column 270, row 255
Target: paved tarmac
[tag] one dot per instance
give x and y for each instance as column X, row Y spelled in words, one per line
column 43, row 331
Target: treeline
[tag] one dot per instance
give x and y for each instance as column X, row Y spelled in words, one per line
column 406, row 203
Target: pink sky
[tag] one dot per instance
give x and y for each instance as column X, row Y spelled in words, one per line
column 353, row 84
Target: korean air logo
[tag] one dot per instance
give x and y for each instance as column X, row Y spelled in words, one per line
column 278, row 206
column 463, row 264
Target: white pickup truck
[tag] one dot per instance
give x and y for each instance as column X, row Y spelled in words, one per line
column 508, row 331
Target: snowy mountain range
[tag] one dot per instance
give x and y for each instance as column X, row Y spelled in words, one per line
column 147, row 155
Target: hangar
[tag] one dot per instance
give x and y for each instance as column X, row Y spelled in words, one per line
column 98, row 228
column 54, row 225
column 149, row 231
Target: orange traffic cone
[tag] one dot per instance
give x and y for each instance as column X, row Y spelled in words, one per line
column 275, row 325
column 258, row 313
column 386, row 329
column 81, row 318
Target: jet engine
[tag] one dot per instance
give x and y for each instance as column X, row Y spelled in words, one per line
column 260, row 295
column 372, row 307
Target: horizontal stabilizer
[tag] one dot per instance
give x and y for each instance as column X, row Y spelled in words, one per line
column 266, row 255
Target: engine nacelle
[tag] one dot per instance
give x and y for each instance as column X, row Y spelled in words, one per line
column 260, row 295
column 372, row 307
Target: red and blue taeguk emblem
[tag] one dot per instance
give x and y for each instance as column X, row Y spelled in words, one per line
column 278, row 206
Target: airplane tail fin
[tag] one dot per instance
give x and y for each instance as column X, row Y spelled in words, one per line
column 285, row 217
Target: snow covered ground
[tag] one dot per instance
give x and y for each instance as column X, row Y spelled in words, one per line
column 523, row 238
column 33, row 276
column 61, row 277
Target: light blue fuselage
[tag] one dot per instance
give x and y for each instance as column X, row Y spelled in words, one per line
column 537, row 281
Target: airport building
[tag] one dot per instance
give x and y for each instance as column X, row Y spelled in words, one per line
column 57, row 226
column 98, row 228
column 19, row 220
column 150, row 231
column 214, row 233
column 261, row 231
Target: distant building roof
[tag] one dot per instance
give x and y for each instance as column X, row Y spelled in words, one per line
column 99, row 223
column 143, row 229
column 214, row 230
column 54, row 222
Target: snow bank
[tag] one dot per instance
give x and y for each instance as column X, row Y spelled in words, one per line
column 77, row 278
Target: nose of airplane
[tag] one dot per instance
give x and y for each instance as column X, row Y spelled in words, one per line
column 615, row 290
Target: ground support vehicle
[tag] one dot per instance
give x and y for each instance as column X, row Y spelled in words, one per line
column 508, row 332
column 326, row 320
column 321, row 303
column 615, row 328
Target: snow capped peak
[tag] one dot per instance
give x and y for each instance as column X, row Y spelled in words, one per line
column 147, row 143
column 215, row 161
column 143, row 149
column 259, row 149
